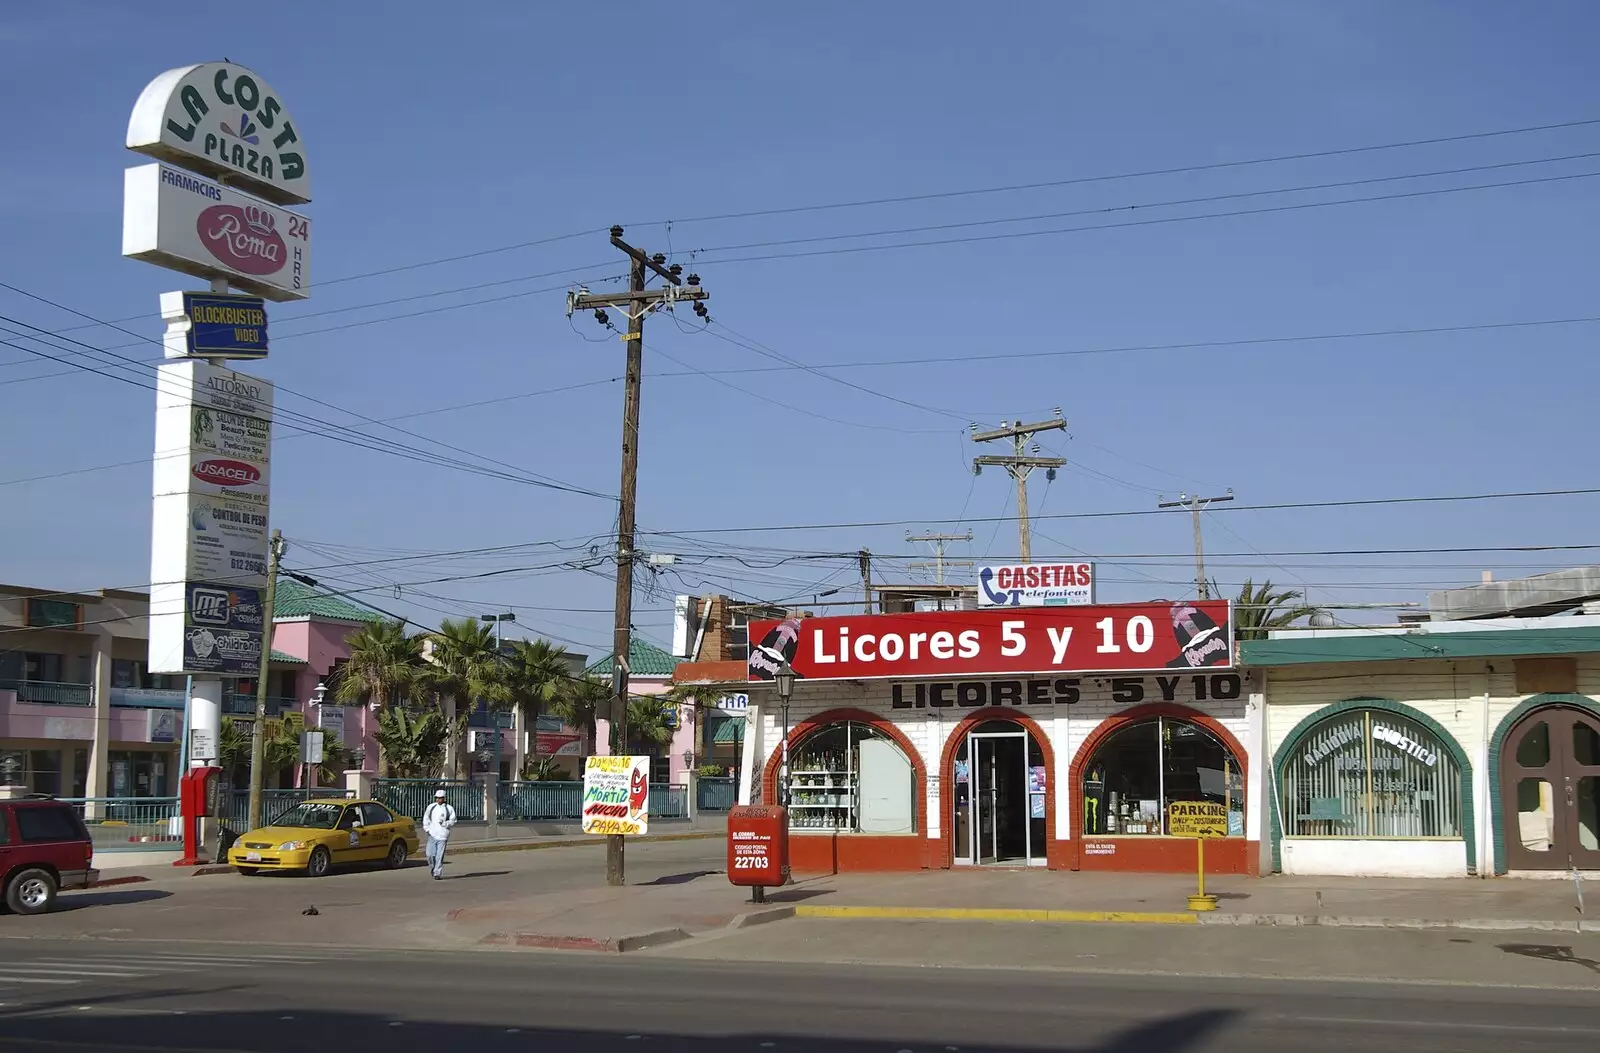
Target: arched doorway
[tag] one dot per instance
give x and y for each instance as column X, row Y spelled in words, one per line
column 998, row 813
column 1550, row 790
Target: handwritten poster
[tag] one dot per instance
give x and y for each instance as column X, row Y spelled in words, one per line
column 616, row 795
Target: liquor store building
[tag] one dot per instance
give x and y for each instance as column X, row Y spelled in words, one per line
column 1070, row 771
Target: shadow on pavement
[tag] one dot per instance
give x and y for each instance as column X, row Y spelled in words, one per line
column 1550, row 953
column 82, row 901
column 681, row 879
column 287, row 1028
column 477, row 874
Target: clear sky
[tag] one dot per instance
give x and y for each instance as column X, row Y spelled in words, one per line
column 438, row 131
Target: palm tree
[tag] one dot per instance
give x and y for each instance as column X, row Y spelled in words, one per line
column 383, row 666
column 700, row 699
column 652, row 721
column 414, row 740
column 1259, row 609
column 464, row 669
column 579, row 703
column 537, row 674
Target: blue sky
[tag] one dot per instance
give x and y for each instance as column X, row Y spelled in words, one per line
column 512, row 123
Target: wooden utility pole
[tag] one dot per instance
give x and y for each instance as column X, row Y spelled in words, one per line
column 258, row 733
column 1195, row 505
column 637, row 302
column 939, row 562
column 1019, row 464
column 864, row 559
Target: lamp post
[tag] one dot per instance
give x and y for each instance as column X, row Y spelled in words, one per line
column 494, row 718
column 784, row 678
column 318, row 693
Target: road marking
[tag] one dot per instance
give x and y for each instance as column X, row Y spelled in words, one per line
column 75, row 970
column 997, row 914
column 8, row 978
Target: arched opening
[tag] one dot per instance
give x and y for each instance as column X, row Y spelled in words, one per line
column 999, row 800
column 1142, row 766
column 1550, row 790
column 849, row 777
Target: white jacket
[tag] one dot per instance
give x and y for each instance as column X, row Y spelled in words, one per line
column 438, row 819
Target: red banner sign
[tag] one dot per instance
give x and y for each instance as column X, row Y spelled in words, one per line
column 1119, row 638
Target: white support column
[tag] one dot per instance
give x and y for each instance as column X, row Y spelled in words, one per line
column 752, row 756
column 519, row 742
column 1481, row 775
column 1259, row 798
column 98, row 782
column 933, row 734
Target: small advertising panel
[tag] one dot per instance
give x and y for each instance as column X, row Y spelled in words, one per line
column 214, row 325
column 1036, row 585
column 187, row 223
column 616, row 795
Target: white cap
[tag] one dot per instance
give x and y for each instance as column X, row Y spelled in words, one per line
column 438, row 793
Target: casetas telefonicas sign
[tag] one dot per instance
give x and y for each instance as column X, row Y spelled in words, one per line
column 1129, row 637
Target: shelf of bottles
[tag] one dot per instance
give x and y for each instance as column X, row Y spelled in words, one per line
column 822, row 796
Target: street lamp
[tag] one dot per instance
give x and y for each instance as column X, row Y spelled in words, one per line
column 784, row 678
column 494, row 718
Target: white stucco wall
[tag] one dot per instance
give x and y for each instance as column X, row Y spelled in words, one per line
column 1451, row 693
column 1347, row 857
column 1067, row 727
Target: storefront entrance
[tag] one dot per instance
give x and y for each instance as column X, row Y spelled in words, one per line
column 1550, row 791
column 999, row 798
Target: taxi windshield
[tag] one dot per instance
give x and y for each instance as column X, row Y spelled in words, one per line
column 310, row 816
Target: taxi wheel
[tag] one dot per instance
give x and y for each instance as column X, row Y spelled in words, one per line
column 397, row 855
column 248, row 871
column 321, row 862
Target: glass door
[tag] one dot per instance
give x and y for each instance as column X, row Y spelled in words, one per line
column 998, row 799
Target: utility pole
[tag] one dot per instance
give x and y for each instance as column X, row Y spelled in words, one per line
column 939, row 562
column 1195, row 505
column 1019, row 464
column 637, row 302
column 258, row 734
column 864, row 559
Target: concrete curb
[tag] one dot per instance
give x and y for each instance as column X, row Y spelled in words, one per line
column 761, row 917
column 604, row 945
column 1219, row 918
column 1336, row 921
column 998, row 914
column 472, row 848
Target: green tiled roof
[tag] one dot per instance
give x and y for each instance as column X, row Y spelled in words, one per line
column 294, row 600
column 287, row 659
column 644, row 659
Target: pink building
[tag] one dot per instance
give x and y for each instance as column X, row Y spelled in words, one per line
column 650, row 673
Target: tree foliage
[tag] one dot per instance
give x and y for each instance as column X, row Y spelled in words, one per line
column 1261, row 608
column 463, row 669
column 414, row 741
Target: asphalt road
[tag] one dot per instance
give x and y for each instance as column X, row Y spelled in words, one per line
column 127, row 995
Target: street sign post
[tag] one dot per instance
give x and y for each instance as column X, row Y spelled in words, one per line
column 1201, row 820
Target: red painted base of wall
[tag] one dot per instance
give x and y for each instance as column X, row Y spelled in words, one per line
column 858, row 853
column 1166, row 855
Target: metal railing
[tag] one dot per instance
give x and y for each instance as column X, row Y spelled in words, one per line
column 123, row 823
column 50, row 692
column 540, row 801
column 237, row 705
column 411, row 797
column 236, row 805
column 669, row 802
column 716, row 794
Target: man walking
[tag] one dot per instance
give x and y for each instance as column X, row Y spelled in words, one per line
column 436, row 823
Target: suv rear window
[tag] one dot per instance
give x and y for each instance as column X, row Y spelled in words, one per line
column 40, row 823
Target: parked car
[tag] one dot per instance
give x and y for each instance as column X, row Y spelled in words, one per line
column 44, row 847
column 315, row 836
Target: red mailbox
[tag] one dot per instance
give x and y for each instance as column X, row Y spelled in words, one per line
column 758, row 848
column 199, row 794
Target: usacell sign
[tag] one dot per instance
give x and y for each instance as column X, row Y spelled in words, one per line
column 1132, row 637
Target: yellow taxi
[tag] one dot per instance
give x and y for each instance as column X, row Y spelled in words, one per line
column 318, row 835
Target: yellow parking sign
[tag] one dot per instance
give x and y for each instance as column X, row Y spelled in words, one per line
column 1197, row 819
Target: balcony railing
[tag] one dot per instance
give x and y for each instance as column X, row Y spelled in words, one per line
column 48, row 692
column 236, row 705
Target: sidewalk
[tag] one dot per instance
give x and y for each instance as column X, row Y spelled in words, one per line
column 638, row 916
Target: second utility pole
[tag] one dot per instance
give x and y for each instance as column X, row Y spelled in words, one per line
column 1019, row 464
column 636, row 303
column 1195, row 506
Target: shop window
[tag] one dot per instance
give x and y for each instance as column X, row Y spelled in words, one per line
column 43, row 667
column 13, row 767
column 1141, row 768
column 850, row 778
column 46, row 766
column 1371, row 773
column 53, row 614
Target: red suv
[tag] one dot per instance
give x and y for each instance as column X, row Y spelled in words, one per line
column 44, row 847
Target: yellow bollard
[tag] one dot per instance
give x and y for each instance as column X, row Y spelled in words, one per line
column 1201, row 901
